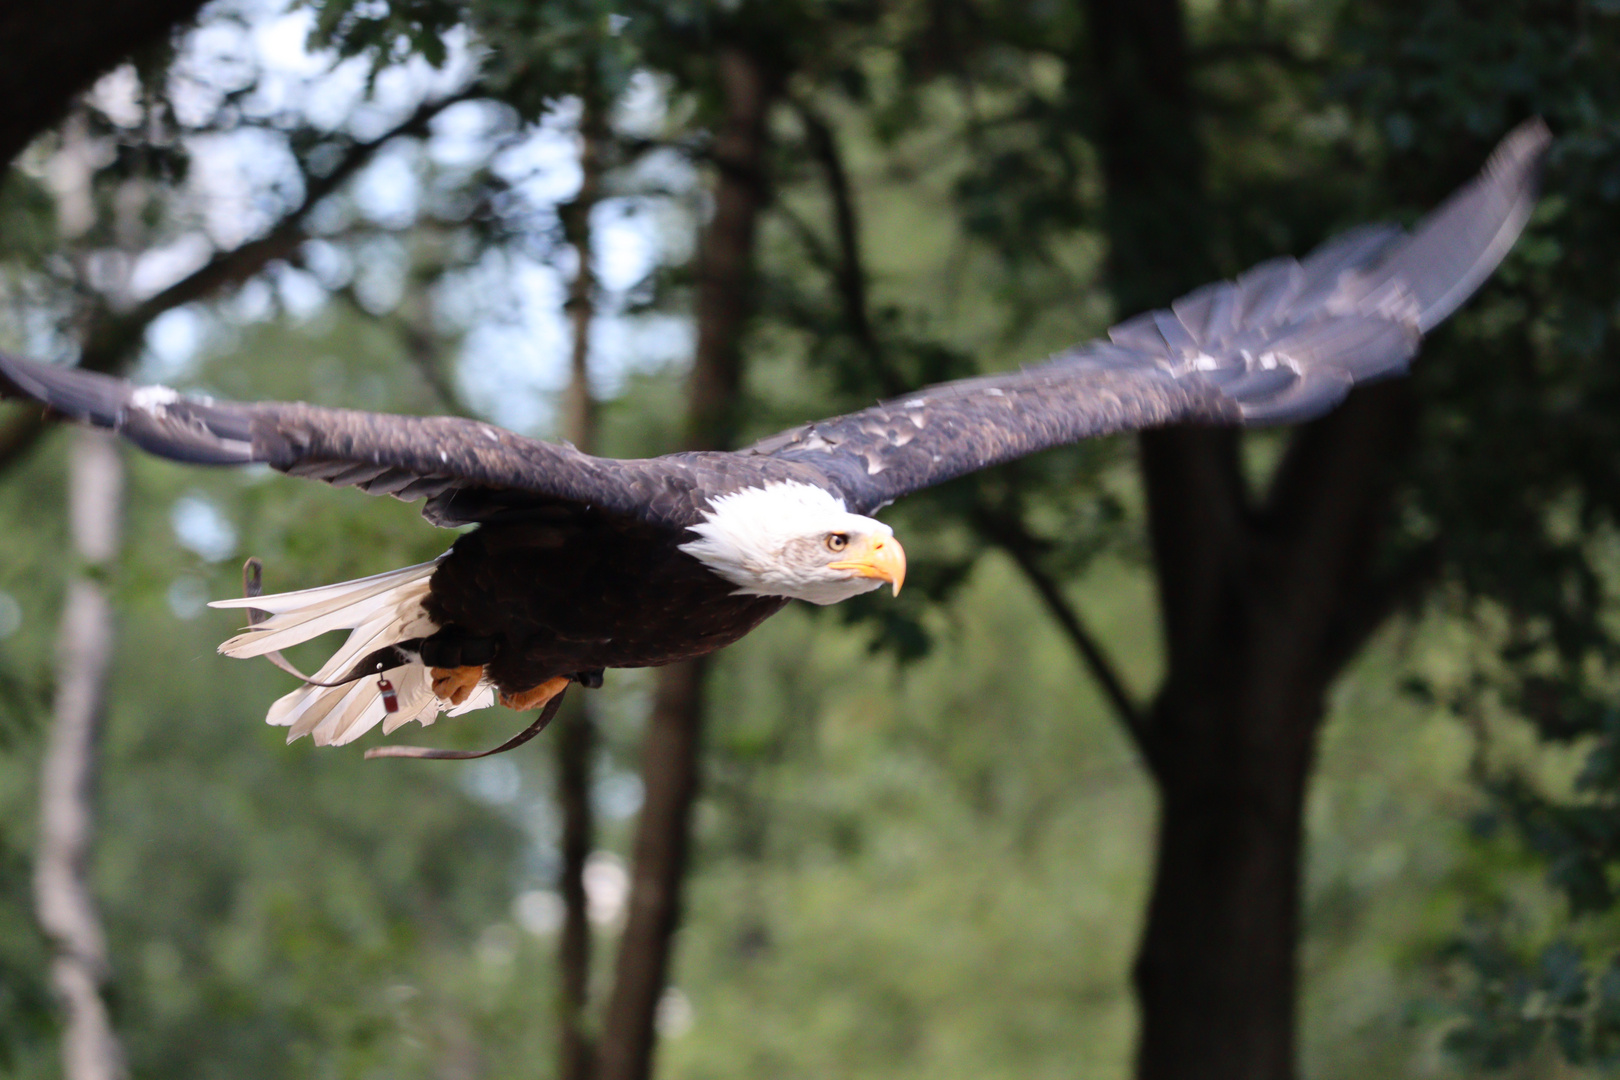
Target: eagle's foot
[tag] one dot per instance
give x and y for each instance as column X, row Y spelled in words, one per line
column 537, row 697
column 456, row 684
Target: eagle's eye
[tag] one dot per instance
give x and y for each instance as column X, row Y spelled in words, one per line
column 837, row 541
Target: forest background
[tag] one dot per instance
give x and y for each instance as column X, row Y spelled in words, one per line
column 1190, row 755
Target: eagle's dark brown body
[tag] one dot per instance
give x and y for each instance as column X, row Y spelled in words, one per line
column 578, row 593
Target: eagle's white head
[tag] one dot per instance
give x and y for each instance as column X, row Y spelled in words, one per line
column 797, row 540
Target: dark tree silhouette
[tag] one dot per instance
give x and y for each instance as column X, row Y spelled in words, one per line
column 55, row 51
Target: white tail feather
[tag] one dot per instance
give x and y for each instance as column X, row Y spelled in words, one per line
column 482, row 697
column 276, row 603
column 380, row 610
column 324, row 705
column 294, row 627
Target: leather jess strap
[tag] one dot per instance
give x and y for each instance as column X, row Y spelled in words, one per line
column 513, row 743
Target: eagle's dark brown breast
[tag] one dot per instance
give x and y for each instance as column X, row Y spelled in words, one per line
column 580, row 592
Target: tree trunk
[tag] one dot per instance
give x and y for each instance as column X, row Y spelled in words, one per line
column 725, row 263
column 674, row 738
column 1135, row 83
column 1262, row 601
column 64, row 904
column 1215, row 975
column 575, row 743
column 575, row 740
column 1262, row 609
column 670, row 769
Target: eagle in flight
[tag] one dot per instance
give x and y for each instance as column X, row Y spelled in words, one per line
column 582, row 563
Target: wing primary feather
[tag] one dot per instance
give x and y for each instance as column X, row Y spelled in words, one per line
column 1358, row 247
column 1453, row 250
column 1180, row 343
column 1266, row 290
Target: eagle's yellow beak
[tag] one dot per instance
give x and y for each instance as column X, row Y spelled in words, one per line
column 879, row 557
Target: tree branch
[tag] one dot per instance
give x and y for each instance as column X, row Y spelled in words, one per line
column 114, row 338
column 1009, row 533
column 1007, row 530
column 1378, row 601
column 849, row 270
column 1327, row 507
column 576, row 740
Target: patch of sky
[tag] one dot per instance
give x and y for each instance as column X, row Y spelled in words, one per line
column 156, row 268
column 332, row 265
column 201, row 527
column 539, row 911
column 623, row 346
column 675, row 1014
column 495, row 781
column 388, row 191
column 282, row 42
column 643, row 107
column 544, row 166
column 218, row 58
column 242, row 180
column 515, row 353
column 29, row 326
column 399, row 87
column 254, row 301
column 461, row 135
column 118, row 95
column 607, row 887
column 618, row 796
column 515, row 338
column 172, row 343
column 187, row 596
column 379, row 278
column 300, row 292
column 292, row 77
column 232, row 178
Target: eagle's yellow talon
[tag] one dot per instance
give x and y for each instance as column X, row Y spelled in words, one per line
column 537, row 697
column 456, row 684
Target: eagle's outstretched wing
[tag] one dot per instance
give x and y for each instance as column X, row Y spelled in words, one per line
column 1284, row 342
column 467, row 470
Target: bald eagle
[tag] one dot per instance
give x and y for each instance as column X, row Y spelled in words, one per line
column 673, row 557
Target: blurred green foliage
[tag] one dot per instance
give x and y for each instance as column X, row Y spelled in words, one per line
column 923, row 847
